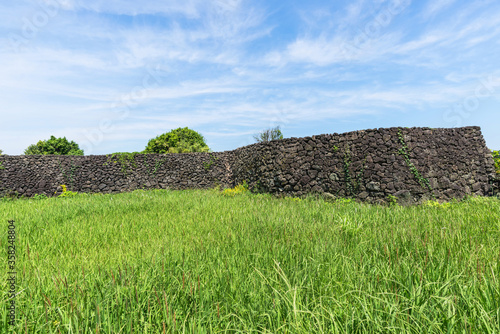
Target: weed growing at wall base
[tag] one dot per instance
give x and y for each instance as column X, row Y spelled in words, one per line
column 66, row 192
column 436, row 204
column 392, row 200
column 237, row 190
column 39, row 197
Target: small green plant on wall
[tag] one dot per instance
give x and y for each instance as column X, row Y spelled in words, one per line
column 347, row 173
column 404, row 151
column 69, row 174
column 209, row 164
column 352, row 181
column 153, row 169
column 125, row 159
column 158, row 165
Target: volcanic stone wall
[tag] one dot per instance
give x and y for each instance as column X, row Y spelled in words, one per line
column 404, row 164
column 44, row 174
column 372, row 165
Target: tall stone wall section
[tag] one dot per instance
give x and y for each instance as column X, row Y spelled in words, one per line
column 411, row 164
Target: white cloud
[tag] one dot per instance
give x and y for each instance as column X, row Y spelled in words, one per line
column 317, row 51
column 230, row 68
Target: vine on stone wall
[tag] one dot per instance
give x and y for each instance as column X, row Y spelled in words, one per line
column 352, row 183
column 158, row 164
column 424, row 183
column 126, row 160
column 154, row 170
column 68, row 174
column 347, row 173
column 208, row 165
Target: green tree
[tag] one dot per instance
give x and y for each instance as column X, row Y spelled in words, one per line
column 268, row 135
column 56, row 146
column 181, row 140
column 496, row 158
column 1, row 152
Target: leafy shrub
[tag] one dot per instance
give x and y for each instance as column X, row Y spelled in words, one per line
column 496, row 158
column 181, row 140
column 56, row 146
column 239, row 189
column 268, row 135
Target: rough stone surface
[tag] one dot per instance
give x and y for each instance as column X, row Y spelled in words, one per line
column 367, row 165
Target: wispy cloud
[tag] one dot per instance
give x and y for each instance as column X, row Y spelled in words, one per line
column 433, row 7
column 123, row 7
column 230, row 68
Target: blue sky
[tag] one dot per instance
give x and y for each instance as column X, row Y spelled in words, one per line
column 113, row 74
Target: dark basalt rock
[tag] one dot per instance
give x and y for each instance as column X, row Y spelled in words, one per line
column 367, row 165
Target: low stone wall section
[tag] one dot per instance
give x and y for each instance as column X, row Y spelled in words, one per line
column 44, row 174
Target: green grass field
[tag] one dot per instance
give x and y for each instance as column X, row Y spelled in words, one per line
column 201, row 262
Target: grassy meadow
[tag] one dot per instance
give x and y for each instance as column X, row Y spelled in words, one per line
column 201, row 262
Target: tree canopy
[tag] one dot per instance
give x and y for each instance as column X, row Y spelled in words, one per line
column 56, row 146
column 268, row 135
column 181, row 140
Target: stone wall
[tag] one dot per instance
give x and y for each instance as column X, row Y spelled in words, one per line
column 496, row 186
column 411, row 164
column 44, row 174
